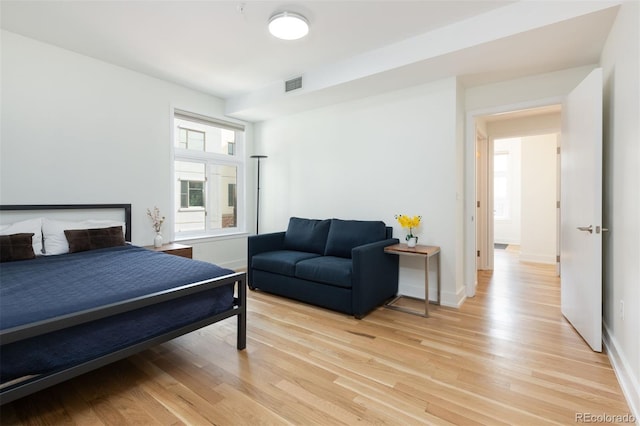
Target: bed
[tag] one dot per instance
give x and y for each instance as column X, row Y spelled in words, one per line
column 66, row 314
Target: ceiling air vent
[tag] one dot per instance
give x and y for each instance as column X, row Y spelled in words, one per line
column 293, row 84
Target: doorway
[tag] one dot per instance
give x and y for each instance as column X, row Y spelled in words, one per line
column 517, row 166
column 507, row 194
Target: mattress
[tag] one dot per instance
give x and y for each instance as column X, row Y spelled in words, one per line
column 48, row 287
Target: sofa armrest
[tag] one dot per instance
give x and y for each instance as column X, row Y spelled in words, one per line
column 374, row 276
column 262, row 243
column 265, row 242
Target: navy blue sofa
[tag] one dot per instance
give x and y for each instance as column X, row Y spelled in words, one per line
column 336, row 264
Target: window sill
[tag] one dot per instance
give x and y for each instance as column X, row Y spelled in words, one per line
column 191, row 209
column 210, row 238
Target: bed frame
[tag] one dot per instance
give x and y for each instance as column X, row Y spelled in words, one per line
column 23, row 388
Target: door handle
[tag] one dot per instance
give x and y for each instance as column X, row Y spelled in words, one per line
column 588, row 229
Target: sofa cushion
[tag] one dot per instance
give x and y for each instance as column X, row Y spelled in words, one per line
column 280, row 262
column 344, row 235
column 308, row 235
column 326, row 269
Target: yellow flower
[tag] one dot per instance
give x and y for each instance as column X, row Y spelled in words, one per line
column 409, row 223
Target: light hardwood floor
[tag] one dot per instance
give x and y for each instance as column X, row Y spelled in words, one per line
column 506, row 357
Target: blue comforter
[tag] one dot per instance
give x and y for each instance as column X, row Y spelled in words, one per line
column 48, row 287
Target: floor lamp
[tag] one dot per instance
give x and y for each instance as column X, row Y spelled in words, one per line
column 258, row 197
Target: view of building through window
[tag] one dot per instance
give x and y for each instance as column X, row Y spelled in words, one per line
column 191, row 193
column 191, row 139
column 207, row 168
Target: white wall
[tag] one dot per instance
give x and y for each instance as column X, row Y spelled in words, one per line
column 525, row 92
column 538, row 188
column 621, row 65
column 78, row 130
column 371, row 159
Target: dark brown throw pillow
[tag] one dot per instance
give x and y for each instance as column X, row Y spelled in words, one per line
column 16, row 247
column 92, row 239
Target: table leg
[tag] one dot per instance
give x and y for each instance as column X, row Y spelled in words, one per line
column 426, row 286
column 438, row 265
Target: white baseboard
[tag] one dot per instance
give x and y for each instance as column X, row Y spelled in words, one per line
column 471, row 289
column 628, row 382
column 538, row 258
column 459, row 298
column 417, row 291
column 506, row 241
column 452, row 300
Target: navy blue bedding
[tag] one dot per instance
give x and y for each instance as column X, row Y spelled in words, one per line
column 47, row 287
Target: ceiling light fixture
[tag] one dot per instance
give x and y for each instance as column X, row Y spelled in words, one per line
column 288, row 26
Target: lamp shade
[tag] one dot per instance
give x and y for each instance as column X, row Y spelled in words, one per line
column 288, row 26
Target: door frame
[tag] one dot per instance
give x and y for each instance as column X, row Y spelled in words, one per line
column 471, row 219
column 484, row 226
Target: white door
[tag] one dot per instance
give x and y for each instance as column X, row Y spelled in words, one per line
column 581, row 209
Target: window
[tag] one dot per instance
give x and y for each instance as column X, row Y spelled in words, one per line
column 231, row 193
column 209, row 175
column 191, row 139
column 191, row 194
column 501, row 201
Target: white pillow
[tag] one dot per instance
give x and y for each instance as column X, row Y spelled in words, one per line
column 26, row 226
column 55, row 242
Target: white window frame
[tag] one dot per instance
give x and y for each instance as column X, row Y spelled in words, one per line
column 506, row 174
column 210, row 160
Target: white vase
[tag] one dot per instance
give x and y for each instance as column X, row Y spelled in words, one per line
column 411, row 242
column 157, row 241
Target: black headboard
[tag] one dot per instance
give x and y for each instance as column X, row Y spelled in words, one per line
column 30, row 207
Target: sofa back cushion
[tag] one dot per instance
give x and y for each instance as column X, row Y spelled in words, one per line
column 344, row 235
column 309, row 235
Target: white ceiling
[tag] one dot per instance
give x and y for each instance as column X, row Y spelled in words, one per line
column 223, row 47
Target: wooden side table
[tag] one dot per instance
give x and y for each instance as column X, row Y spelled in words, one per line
column 419, row 250
column 174, row 249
